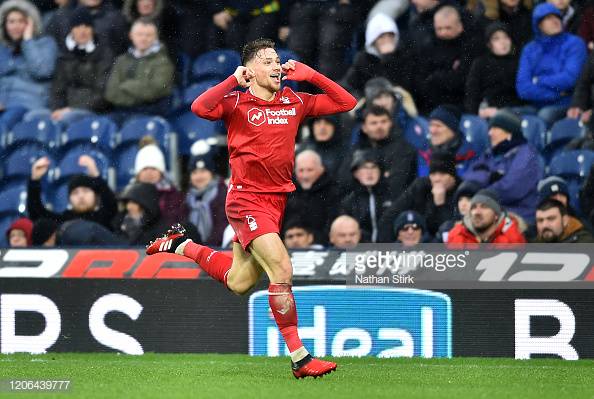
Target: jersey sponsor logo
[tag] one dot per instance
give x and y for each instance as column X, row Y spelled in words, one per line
column 251, row 221
column 256, row 116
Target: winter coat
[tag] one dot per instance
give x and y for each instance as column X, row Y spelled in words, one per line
column 317, row 207
column 217, row 212
column 574, row 232
column 103, row 214
column 80, row 79
column 26, row 69
column 367, row 205
column 140, row 81
column 507, row 232
column 512, row 170
column 519, row 24
column 586, row 27
column 491, row 79
column 418, row 197
column 464, row 155
column 549, row 65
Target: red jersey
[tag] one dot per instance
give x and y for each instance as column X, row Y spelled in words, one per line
column 261, row 134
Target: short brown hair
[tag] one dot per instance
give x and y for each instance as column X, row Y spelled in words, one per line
column 250, row 49
column 550, row 203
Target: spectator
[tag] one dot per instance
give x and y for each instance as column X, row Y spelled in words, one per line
column 369, row 198
column 141, row 80
column 486, row 223
column 344, row 232
column 419, row 32
column 84, row 233
column 141, row 220
column 327, row 140
column 391, row 149
column 320, row 32
column 27, row 61
column 316, row 197
column 89, row 197
column 464, row 193
column 517, row 16
column 109, row 25
column 581, row 101
column 442, row 66
column 570, row 15
column 149, row 167
column 553, row 224
column 432, row 197
column 550, row 65
column 81, row 73
column 206, row 199
column 19, row 234
column 490, row 83
column 510, row 167
column 299, row 235
column 384, row 55
column 445, row 136
column 410, row 228
column 554, row 187
column 44, row 232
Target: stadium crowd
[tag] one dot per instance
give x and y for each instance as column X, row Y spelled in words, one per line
column 474, row 121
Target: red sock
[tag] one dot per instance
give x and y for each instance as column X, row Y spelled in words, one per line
column 215, row 263
column 282, row 304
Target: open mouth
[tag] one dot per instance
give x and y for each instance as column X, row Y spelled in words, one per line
column 275, row 77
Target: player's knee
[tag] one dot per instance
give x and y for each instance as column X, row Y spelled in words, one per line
column 282, row 273
column 240, row 288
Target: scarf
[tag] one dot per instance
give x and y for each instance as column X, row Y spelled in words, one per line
column 199, row 203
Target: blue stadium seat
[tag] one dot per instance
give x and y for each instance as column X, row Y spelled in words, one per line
column 184, row 63
column 68, row 164
column 534, row 130
column 13, row 198
column 572, row 164
column 41, row 131
column 18, row 160
column 134, row 129
column 476, row 131
column 123, row 160
column 416, row 133
column 191, row 128
column 561, row 133
column 190, row 93
column 216, row 64
column 95, row 131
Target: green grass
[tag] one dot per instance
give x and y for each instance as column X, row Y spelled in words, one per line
column 240, row 376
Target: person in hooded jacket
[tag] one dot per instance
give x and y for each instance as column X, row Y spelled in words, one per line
column 384, row 55
column 550, row 65
column 369, row 198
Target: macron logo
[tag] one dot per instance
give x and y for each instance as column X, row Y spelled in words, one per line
column 256, row 116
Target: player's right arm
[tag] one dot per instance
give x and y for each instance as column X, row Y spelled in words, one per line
column 209, row 105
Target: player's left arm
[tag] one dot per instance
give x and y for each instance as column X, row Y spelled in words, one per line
column 336, row 99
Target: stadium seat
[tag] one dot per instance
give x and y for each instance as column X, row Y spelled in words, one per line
column 13, row 198
column 191, row 128
column 216, row 64
column 135, row 129
column 476, row 132
column 68, row 164
column 572, row 164
column 18, row 160
column 95, row 131
column 123, row 161
column 534, row 130
column 416, row 132
column 40, row 131
column 561, row 133
column 190, row 93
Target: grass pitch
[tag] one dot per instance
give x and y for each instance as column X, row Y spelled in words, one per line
column 240, row 376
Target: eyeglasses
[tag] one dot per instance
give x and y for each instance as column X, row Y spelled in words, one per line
column 408, row 227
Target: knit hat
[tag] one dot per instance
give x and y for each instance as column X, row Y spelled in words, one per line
column 495, row 27
column 80, row 16
column 149, row 156
column 444, row 162
column 360, row 158
column 467, row 189
column 507, row 121
column 202, row 156
column 43, row 230
column 487, row 197
column 409, row 217
column 449, row 115
column 24, row 224
column 82, row 181
column 550, row 186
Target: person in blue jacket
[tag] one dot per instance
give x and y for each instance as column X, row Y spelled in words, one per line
column 550, row 65
column 27, row 60
column 510, row 167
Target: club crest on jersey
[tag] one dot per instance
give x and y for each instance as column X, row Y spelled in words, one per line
column 285, row 100
column 256, row 116
column 251, row 221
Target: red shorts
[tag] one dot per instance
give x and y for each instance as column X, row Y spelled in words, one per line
column 254, row 214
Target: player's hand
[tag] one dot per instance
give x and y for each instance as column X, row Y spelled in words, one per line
column 89, row 164
column 295, row 70
column 39, row 168
column 244, row 76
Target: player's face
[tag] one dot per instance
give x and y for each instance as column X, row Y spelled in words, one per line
column 15, row 24
column 550, row 224
column 267, row 68
column 143, row 36
column 298, row 238
column 439, row 132
column 482, row 217
column 82, row 199
column 410, row 235
column 367, row 174
column 377, row 127
column 17, row 238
